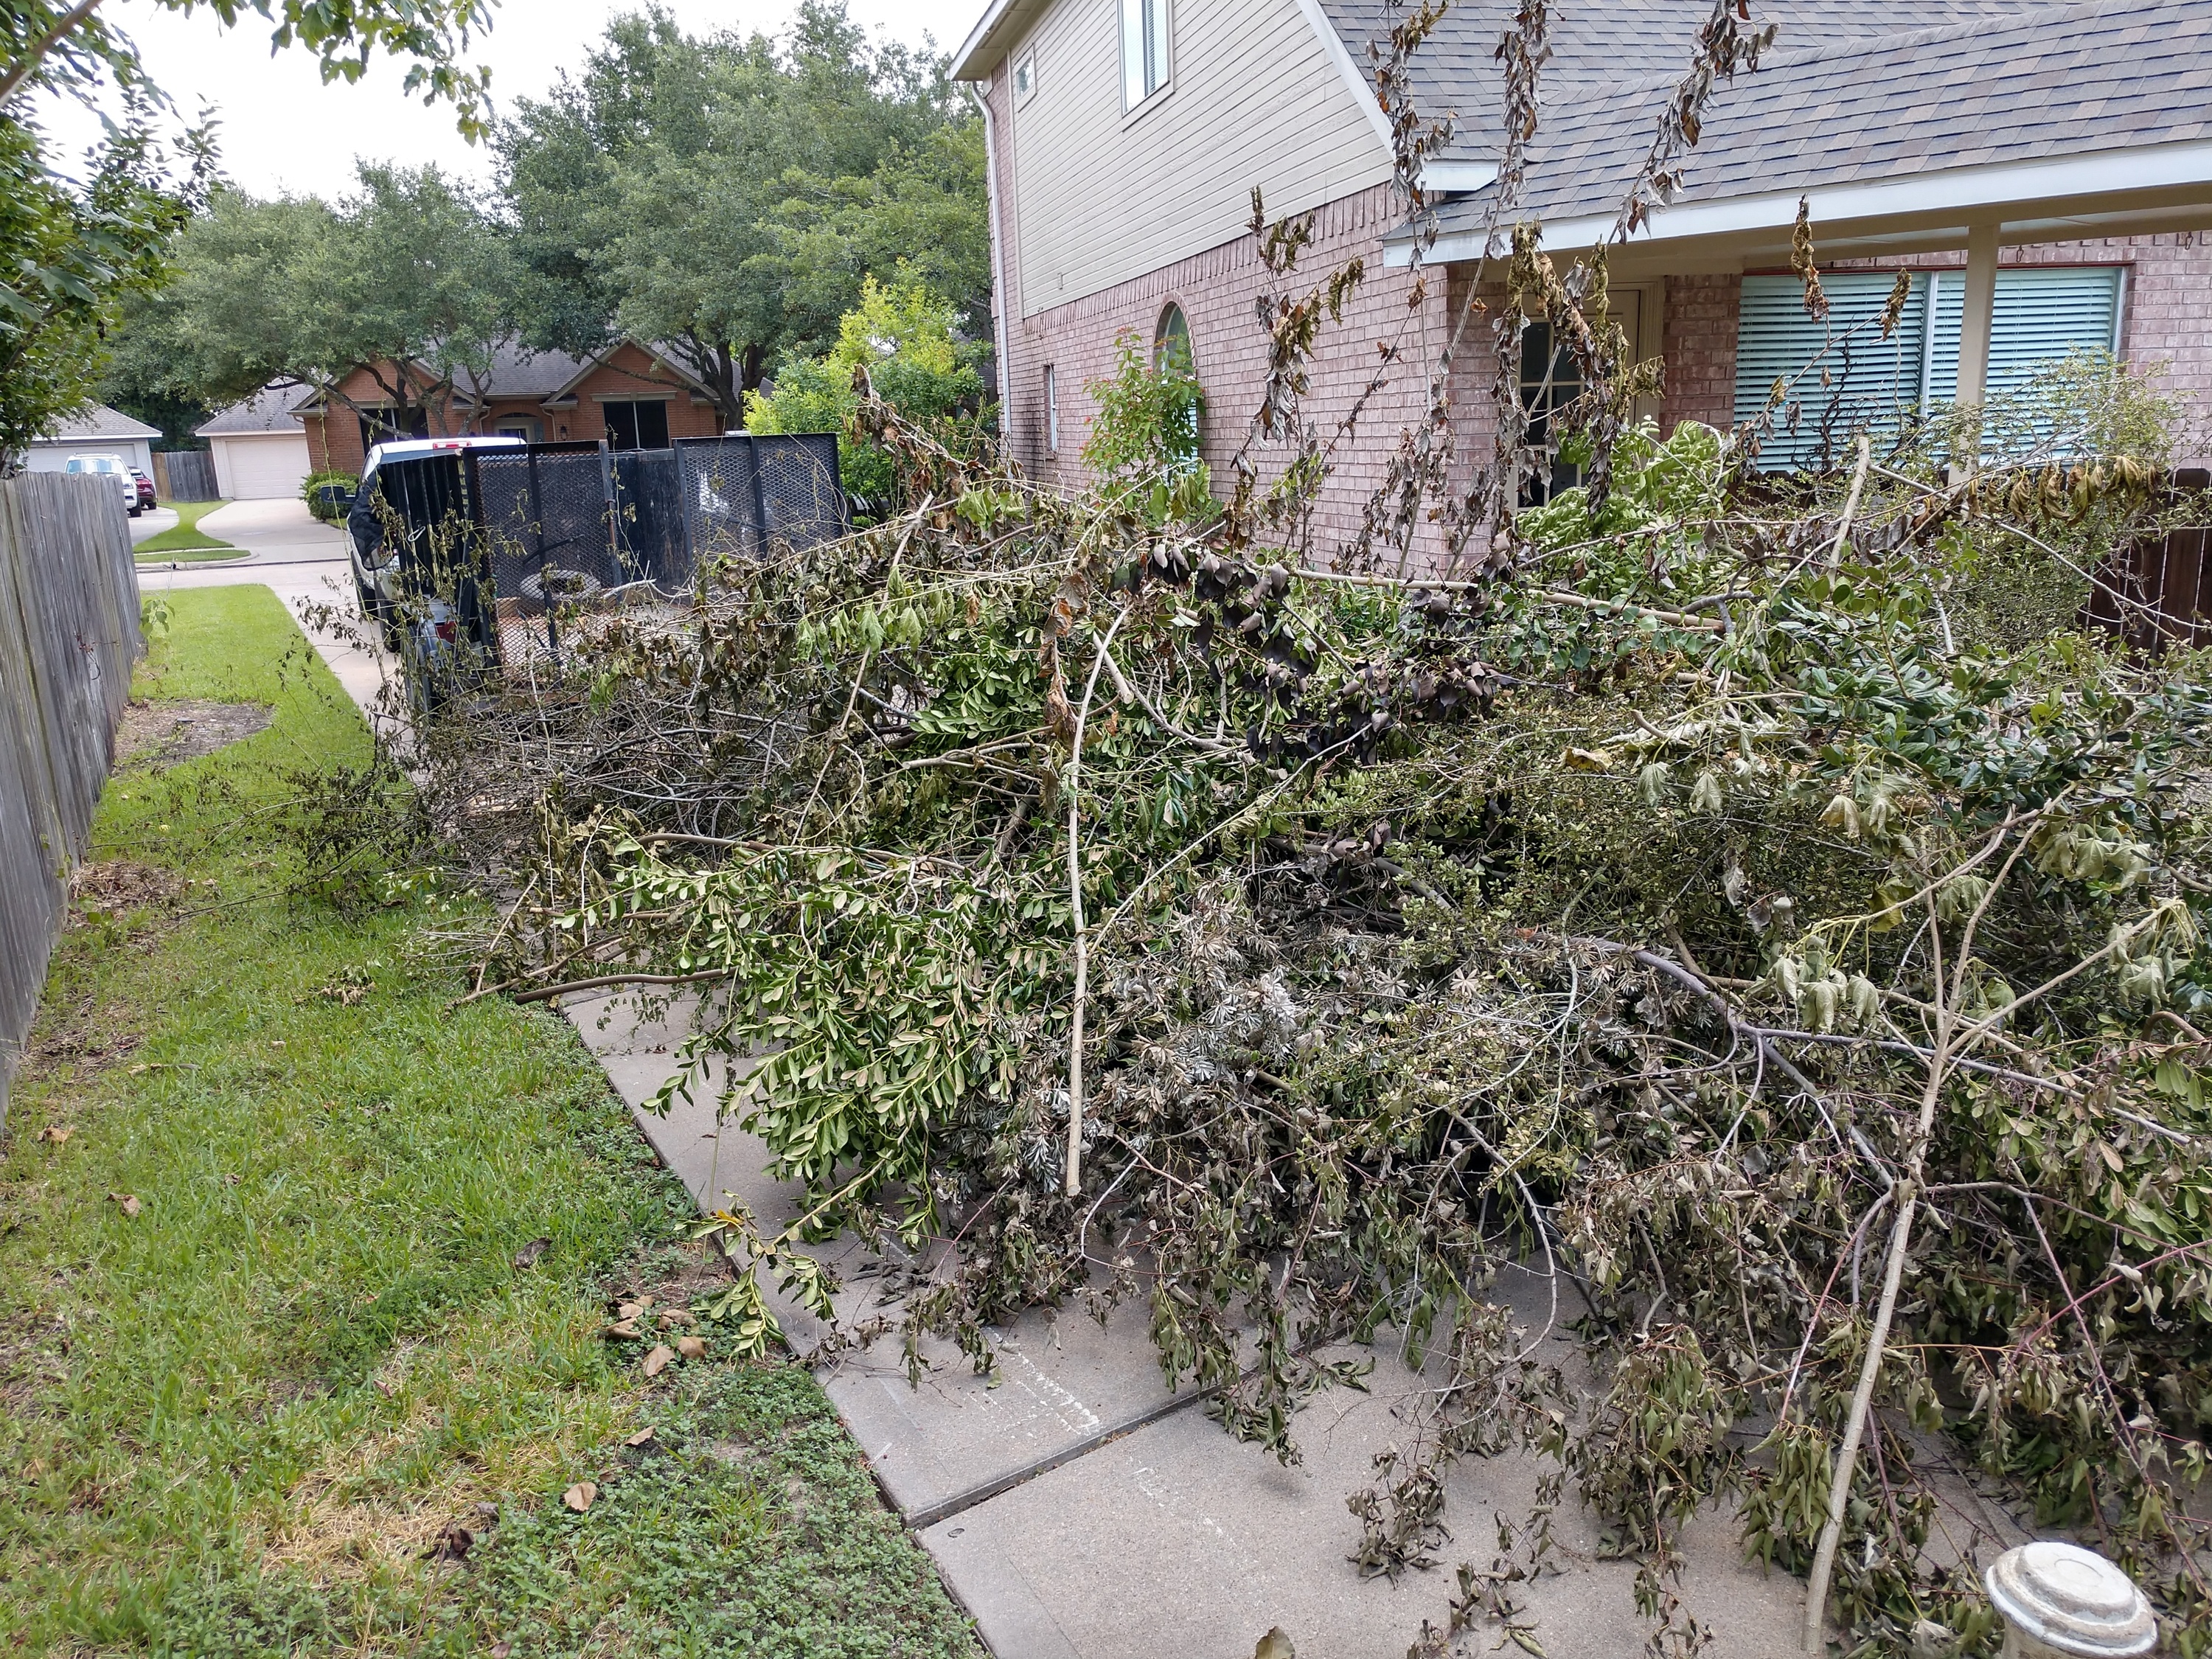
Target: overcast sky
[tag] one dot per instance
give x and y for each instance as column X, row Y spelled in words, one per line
column 284, row 129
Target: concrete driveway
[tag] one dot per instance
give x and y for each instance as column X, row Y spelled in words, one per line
column 151, row 523
column 281, row 532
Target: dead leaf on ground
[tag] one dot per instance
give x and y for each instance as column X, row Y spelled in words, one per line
column 54, row 1134
column 126, row 1202
column 641, row 1438
column 528, row 1255
column 501, row 1650
column 691, row 1347
column 452, row 1544
column 1275, row 1646
column 657, row 1361
column 626, row 1329
column 582, row 1496
column 232, row 1180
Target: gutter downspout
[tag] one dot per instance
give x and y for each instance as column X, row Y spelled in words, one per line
column 998, row 272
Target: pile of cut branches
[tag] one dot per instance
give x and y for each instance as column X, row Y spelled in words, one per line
column 1759, row 921
column 1762, row 909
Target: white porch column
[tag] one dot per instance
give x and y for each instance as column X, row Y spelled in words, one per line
column 1980, row 306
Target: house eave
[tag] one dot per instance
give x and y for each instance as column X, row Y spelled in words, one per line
column 987, row 43
column 2126, row 192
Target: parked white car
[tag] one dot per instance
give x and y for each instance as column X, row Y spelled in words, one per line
column 110, row 466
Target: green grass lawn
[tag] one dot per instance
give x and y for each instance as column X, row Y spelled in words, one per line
column 185, row 535
column 265, row 1338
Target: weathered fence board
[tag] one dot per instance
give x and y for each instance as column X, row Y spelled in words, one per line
column 2159, row 591
column 185, row 475
column 68, row 635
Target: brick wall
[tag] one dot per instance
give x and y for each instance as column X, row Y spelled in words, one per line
column 629, row 372
column 1698, row 344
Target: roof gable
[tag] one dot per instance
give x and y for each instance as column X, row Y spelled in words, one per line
column 271, row 410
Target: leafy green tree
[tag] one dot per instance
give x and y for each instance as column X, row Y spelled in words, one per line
column 923, row 215
column 724, row 198
column 71, row 254
column 76, row 251
column 409, row 276
column 72, row 48
column 903, row 338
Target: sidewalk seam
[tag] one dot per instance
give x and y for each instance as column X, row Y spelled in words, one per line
column 931, row 1515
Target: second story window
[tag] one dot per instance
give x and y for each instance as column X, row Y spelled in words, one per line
column 1145, row 63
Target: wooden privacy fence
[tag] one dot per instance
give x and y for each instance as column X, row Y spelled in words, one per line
column 2159, row 592
column 185, row 475
column 68, row 635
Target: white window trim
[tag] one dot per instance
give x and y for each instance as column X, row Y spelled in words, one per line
column 1151, row 100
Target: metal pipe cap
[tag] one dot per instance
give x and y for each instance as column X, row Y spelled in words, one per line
column 2071, row 1599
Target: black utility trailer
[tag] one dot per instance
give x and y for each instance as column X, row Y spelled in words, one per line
column 497, row 545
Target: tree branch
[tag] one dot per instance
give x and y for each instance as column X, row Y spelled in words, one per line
column 35, row 54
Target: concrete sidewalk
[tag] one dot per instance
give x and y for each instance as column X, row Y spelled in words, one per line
column 1079, row 1511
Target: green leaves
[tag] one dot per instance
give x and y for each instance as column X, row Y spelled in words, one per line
column 727, row 196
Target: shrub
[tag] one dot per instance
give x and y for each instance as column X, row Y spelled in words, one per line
column 1150, row 418
column 903, row 335
column 311, row 492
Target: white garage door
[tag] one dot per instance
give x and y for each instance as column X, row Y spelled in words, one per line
column 263, row 469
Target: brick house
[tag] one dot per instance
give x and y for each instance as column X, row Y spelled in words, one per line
column 627, row 396
column 2043, row 171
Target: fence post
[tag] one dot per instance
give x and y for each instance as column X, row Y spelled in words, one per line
column 2059, row 1599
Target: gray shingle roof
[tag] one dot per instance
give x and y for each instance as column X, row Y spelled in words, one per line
column 1602, row 48
column 270, row 409
column 99, row 422
column 2049, row 81
column 517, row 372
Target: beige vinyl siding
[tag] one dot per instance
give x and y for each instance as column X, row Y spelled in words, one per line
column 1254, row 99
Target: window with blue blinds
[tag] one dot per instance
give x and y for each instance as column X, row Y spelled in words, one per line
column 2041, row 314
column 1870, row 381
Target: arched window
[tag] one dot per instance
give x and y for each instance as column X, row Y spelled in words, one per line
column 1176, row 366
column 1171, row 342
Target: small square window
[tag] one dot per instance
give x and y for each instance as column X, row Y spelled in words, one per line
column 1024, row 76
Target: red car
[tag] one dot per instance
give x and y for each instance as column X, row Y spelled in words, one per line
column 145, row 489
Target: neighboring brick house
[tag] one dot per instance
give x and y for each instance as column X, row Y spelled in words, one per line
column 626, row 396
column 1958, row 138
